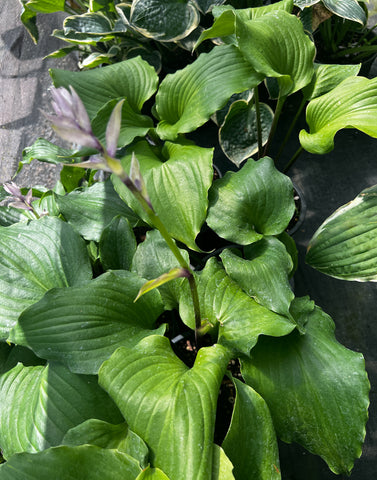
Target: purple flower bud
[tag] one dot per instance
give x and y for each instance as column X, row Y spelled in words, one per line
column 13, row 190
column 113, row 128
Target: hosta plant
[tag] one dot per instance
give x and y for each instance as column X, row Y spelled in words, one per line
column 148, row 324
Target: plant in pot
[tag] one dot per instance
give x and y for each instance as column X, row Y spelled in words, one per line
column 97, row 385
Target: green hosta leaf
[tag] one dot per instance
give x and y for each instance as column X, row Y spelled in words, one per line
column 86, row 461
column 305, row 3
column 46, row 6
column 276, row 46
column 327, row 77
column 206, row 6
column 29, row 19
column 345, row 245
column 77, row 38
column 188, row 98
column 134, row 79
column 88, row 23
column 117, row 245
column 45, row 151
column 44, row 254
column 222, row 466
column 349, row 9
column 152, row 474
column 169, row 405
column 153, row 257
column 10, row 215
column 251, row 442
column 352, row 104
column 11, row 355
column 132, row 124
column 62, row 52
column 255, row 201
column 91, row 210
column 82, row 326
column 107, row 435
column 263, row 274
column 238, row 134
column 177, row 188
column 219, row 116
column 224, row 25
column 166, row 21
column 316, row 389
column 40, row 404
column 239, row 318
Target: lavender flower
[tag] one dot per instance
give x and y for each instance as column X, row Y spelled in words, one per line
column 19, row 200
column 71, row 121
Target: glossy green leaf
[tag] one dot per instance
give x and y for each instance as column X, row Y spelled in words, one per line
column 173, row 274
column 276, row 46
column 169, row 405
column 251, row 442
column 153, row 257
column 86, row 461
column 45, row 151
column 117, row 245
column 40, row 404
column 88, row 23
column 238, row 134
column 224, row 26
column 11, row 355
column 305, row 3
column 10, row 215
column 61, row 52
column 78, row 38
column 316, row 389
column 345, row 245
column 349, row 9
column 187, row 174
column 263, row 274
column 107, row 435
column 152, row 474
column 92, row 209
column 29, row 19
column 219, row 116
column 352, row 104
column 240, row 319
column 165, row 21
column 188, row 98
column 222, row 467
column 44, row 254
column 327, row 77
column 134, row 79
column 46, row 6
column 82, row 326
column 206, row 6
column 255, row 201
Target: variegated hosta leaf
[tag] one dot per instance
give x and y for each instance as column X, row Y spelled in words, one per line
column 240, row 319
column 349, row 9
column 305, row 3
column 40, row 404
column 82, row 326
column 134, row 79
column 170, row 406
column 219, row 116
column 263, row 274
column 224, row 25
column 107, row 435
column 92, row 209
column 352, row 104
column 207, row 5
column 238, row 134
column 251, row 442
column 255, row 201
column 166, row 21
column 188, row 98
column 177, row 188
column 276, row 46
column 316, row 389
column 44, row 254
column 345, row 245
column 327, row 77
column 88, row 23
column 85, row 461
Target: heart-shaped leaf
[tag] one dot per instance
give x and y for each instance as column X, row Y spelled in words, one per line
column 107, row 435
column 133, row 79
column 240, row 319
column 276, row 46
column 44, row 254
column 263, row 274
column 169, row 405
column 188, row 98
column 352, row 104
column 349, row 9
column 251, row 442
column 92, row 209
column 81, row 327
column 187, row 174
column 88, row 23
column 40, row 404
column 316, row 389
column 327, row 77
column 238, row 135
column 86, row 461
column 117, row 245
column 255, row 201
column 345, row 245
column 166, row 21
